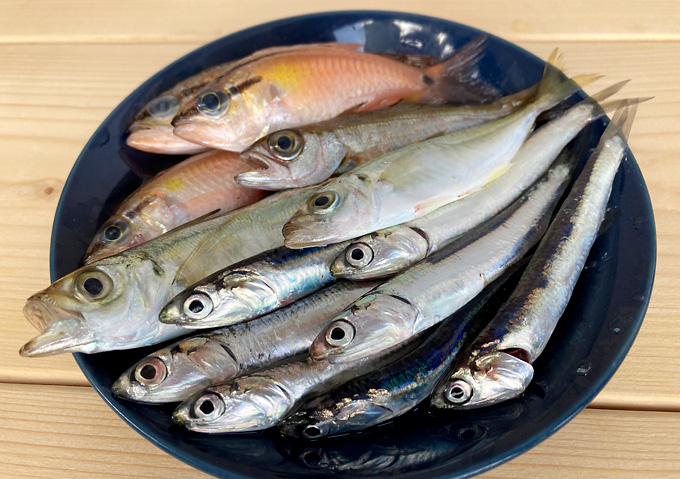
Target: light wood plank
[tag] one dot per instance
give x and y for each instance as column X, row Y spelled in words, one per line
column 204, row 20
column 74, row 434
column 52, row 97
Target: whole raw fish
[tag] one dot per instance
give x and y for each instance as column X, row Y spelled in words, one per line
column 113, row 303
column 418, row 179
column 311, row 154
column 313, row 84
column 195, row 187
column 393, row 249
column 182, row 369
column 252, row 287
column 438, row 286
column 384, row 394
column 497, row 365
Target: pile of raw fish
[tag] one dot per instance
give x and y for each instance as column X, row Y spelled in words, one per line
column 408, row 191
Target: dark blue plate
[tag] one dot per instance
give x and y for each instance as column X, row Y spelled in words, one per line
column 589, row 344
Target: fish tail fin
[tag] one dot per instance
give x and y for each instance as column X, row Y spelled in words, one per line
column 555, row 87
column 594, row 102
column 457, row 79
column 621, row 122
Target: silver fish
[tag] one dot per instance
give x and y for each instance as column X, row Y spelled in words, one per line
column 391, row 250
column 418, row 179
column 311, row 154
column 497, row 365
column 252, row 287
column 184, row 368
column 441, row 284
column 113, row 303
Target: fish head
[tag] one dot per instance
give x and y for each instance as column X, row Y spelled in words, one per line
column 291, row 158
column 331, row 214
column 323, row 417
column 372, row 324
column 93, row 307
column 491, row 378
column 178, row 371
column 251, row 403
column 219, row 300
column 229, row 114
column 380, row 254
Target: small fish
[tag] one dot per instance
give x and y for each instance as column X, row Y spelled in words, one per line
column 253, row 287
column 113, row 303
column 187, row 191
column 394, row 249
column 435, row 288
column 497, row 366
column 381, row 395
column 311, row 154
column 313, row 84
column 416, row 180
column 184, row 368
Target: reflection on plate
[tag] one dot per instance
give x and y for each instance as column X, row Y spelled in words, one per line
column 588, row 345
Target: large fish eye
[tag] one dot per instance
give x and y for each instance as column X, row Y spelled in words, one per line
column 198, row 306
column 286, row 145
column 312, row 431
column 151, row 371
column 359, row 255
column 339, row 334
column 212, row 102
column 458, row 392
column 209, row 407
column 324, row 201
column 94, row 285
column 165, row 106
column 114, row 232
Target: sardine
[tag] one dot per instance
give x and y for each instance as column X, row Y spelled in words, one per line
column 416, row 180
column 394, row 249
column 113, row 303
column 182, row 369
column 192, row 188
column 442, row 283
column 313, row 84
column 381, row 395
column 311, row 154
column 497, row 365
column 252, row 287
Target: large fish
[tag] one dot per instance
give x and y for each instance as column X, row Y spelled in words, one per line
column 311, row 154
column 418, row 179
column 113, row 303
column 394, row 249
column 182, row 369
column 497, row 365
column 313, row 84
column 435, row 288
column 189, row 190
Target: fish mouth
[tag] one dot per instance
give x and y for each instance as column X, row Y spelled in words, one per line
column 126, row 389
column 267, row 173
column 298, row 234
column 202, row 134
column 61, row 330
column 161, row 140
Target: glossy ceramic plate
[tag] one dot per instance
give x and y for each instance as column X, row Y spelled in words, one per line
column 589, row 344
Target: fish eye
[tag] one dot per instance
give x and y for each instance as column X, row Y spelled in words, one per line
column 212, row 102
column 198, row 306
column 339, row 334
column 114, row 232
column 359, row 255
column 286, row 145
column 209, row 407
column 165, row 106
column 313, row 457
column 94, row 285
column 312, row 431
column 323, row 201
column 151, row 371
column 458, row 392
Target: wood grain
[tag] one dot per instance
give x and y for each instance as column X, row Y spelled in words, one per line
column 205, row 20
column 74, row 434
column 42, row 133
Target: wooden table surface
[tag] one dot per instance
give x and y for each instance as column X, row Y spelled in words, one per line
column 65, row 64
